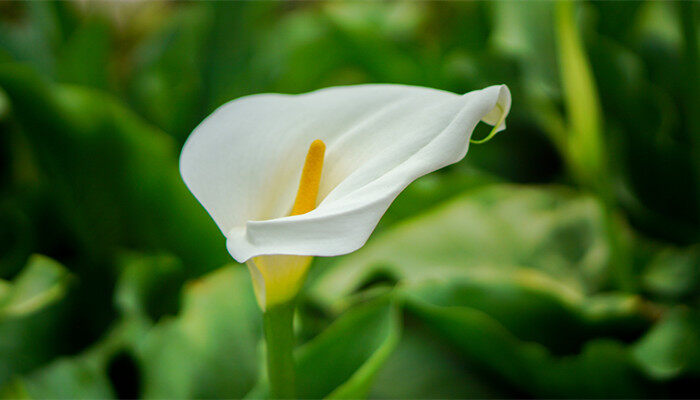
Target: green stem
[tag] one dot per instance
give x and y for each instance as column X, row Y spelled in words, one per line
column 279, row 335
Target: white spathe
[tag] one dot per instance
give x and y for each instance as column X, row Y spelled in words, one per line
column 243, row 162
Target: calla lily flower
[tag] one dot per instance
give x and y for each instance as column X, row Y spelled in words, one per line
column 288, row 177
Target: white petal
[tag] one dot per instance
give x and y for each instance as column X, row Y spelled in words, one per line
column 244, row 161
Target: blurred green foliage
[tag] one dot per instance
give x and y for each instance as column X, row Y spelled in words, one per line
column 560, row 260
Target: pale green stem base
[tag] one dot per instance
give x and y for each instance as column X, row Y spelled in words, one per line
column 278, row 323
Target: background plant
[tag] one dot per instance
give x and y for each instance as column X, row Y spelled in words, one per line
column 559, row 260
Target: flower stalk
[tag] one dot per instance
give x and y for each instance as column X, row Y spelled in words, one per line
column 278, row 324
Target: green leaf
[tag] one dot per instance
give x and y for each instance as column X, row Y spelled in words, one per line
column 673, row 273
column 344, row 359
column 481, row 339
column 89, row 374
column 230, row 48
column 298, row 38
column 115, row 179
column 209, row 349
column 603, row 368
column 41, row 283
column 430, row 191
column 535, row 308
column 585, row 144
column 538, row 278
column 424, row 367
column 558, row 233
column 31, row 311
column 167, row 82
column 365, row 34
column 525, row 31
column 84, row 58
column 78, row 378
column 671, row 347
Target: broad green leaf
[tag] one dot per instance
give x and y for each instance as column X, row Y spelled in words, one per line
column 483, row 340
column 430, row 191
column 344, row 359
column 115, row 179
column 604, row 368
column 41, row 283
column 424, row 367
column 538, row 277
column 656, row 364
column 535, row 308
column 209, row 349
column 425, row 193
column 31, row 313
column 672, row 346
column 497, row 228
column 360, row 382
column 78, row 378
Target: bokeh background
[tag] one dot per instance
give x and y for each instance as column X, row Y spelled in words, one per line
column 561, row 259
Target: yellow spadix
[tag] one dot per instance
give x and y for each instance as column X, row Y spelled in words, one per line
column 278, row 278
